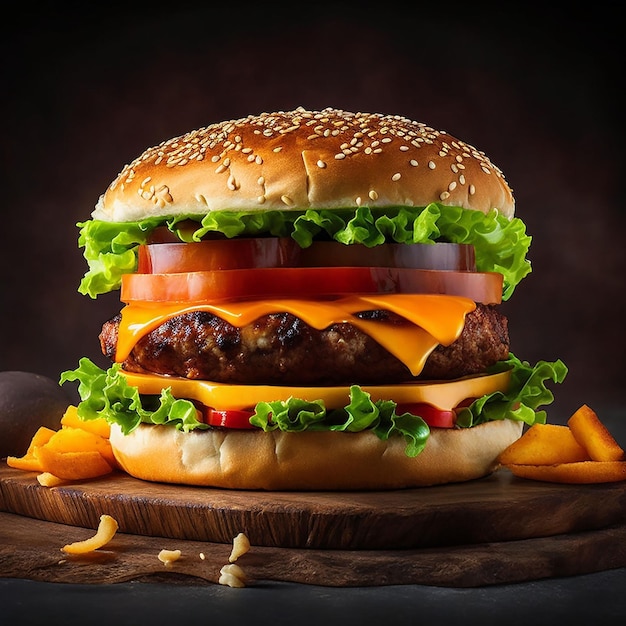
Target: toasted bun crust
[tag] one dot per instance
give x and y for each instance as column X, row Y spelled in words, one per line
column 305, row 160
column 324, row 461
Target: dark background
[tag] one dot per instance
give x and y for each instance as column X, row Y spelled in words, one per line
column 85, row 90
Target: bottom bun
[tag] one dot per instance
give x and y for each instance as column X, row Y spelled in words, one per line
column 306, row 461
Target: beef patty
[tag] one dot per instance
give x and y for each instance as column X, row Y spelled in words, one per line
column 280, row 349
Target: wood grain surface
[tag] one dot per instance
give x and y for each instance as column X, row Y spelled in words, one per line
column 31, row 549
column 496, row 530
column 499, row 507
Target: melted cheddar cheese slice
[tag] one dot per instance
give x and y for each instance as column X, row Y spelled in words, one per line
column 434, row 319
column 445, row 395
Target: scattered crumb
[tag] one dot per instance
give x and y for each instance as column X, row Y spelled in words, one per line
column 232, row 575
column 167, row 557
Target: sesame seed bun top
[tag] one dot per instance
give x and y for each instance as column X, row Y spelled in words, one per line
column 305, row 160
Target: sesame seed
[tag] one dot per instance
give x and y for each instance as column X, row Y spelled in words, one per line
column 321, row 164
column 413, row 162
column 452, row 186
column 286, row 200
column 432, row 165
column 462, row 179
column 472, row 190
column 373, row 195
column 340, row 156
column 397, row 176
column 358, row 201
column 444, row 195
column 261, row 180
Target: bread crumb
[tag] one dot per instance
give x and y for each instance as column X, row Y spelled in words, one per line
column 232, row 575
column 167, row 557
column 241, row 545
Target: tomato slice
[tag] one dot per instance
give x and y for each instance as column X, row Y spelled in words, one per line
column 312, row 282
column 224, row 254
column 229, row 418
column 433, row 416
column 240, row 419
column 218, row 254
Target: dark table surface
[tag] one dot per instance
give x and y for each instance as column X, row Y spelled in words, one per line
column 598, row 599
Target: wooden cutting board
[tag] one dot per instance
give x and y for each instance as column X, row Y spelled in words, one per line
column 494, row 530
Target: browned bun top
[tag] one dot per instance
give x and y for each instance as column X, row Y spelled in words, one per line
column 305, row 160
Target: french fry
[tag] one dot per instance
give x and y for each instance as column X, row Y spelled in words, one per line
column 591, row 433
column 40, row 438
column 46, row 479
column 70, row 439
column 73, row 465
column 544, row 444
column 78, row 450
column 581, row 472
column 107, row 528
column 97, row 426
column 29, row 462
column 26, row 463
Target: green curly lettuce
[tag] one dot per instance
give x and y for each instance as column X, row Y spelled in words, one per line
column 501, row 244
column 106, row 394
column 527, row 392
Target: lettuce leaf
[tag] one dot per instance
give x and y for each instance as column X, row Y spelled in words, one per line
column 501, row 244
column 527, row 392
column 295, row 415
column 107, row 394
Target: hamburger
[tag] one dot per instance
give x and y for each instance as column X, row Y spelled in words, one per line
column 310, row 301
